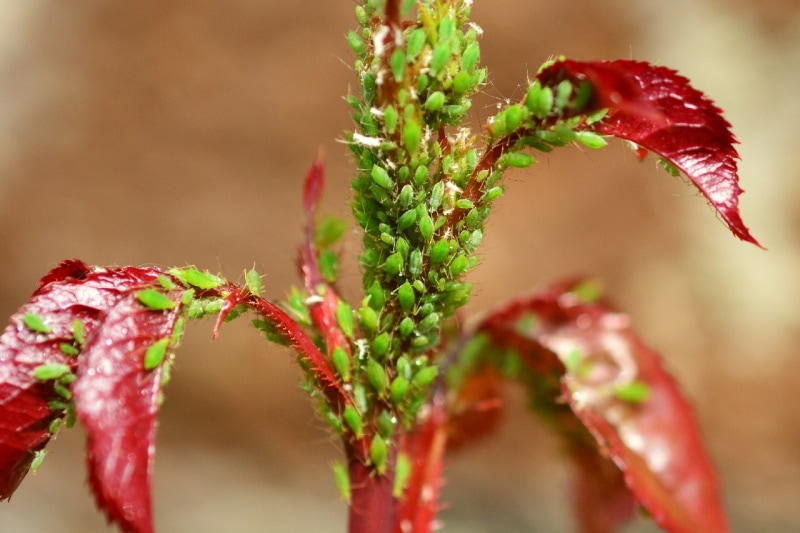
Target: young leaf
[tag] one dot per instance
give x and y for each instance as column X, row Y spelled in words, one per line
column 659, row 110
column 589, row 354
column 116, row 400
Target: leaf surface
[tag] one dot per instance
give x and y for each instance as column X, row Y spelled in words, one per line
column 657, row 109
column 98, row 314
column 653, row 439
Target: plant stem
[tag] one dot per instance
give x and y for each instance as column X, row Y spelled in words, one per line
column 372, row 505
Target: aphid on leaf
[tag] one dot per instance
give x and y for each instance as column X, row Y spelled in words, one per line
column 195, row 278
column 68, row 349
column 155, row 353
column 35, row 323
column 165, row 282
column 50, row 371
column 78, row 332
column 253, row 281
column 633, row 392
column 155, row 300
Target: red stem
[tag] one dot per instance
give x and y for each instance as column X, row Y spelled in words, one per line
column 372, row 505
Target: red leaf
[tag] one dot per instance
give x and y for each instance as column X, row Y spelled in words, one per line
column 658, row 109
column 115, row 398
column 654, row 441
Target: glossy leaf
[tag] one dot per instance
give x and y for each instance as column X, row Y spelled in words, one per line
column 657, row 109
column 99, row 314
column 591, row 352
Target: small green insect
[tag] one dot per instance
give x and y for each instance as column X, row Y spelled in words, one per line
column 353, row 420
column 394, row 264
column 424, row 377
column 398, row 64
column 412, row 135
column 165, row 282
column 406, row 297
column 407, row 219
column 458, row 265
column 439, row 251
column 378, row 453
column 68, row 349
column 380, row 344
column 155, row 300
column 469, row 59
column 406, row 326
column 253, row 281
column 402, row 472
column 78, row 332
column 398, row 389
column 35, row 323
column 38, row 459
column 344, row 317
column 342, row 478
column 368, row 319
column 376, row 375
column 633, row 392
column 341, row 362
column 154, row 355
column 51, row 371
column 195, row 278
column 381, row 177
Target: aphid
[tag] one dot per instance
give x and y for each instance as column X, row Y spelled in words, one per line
column 412, row 135
column 344, row 317
column 470, row 56
column 415, row 42
column 38, row 459
column 353, row 420
column 380, row 344
column 342, row 478
column 633, row 392
column 253, row 281
column 35, row 323
column 78, row 332
column 492, row 194
column 50, row 371
column 376, row 375
column 195, row 278
column 406, row 326
column 429, row 323
column 402, row 472
column 378, row 452
column 165, row 282
column 398, row 64
column 563, row 92
column 464, row 203
column 154, row 355
column 406, row 297
column 407, row 219
column 424, row 377
column 516, row 159
column 155, row 300
column 394, row 264
column 406, row 195
column 368, row 319
column 415, row 262
column 381, row 177
column 68, row 349
column 341, row 362
column 435, row 101
column 437, row 193
column 398, row 389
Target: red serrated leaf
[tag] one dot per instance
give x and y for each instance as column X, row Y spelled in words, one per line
column 117, row 400
column 475, row 411
column 658, row 109
column 654, row 442
column 104, row 301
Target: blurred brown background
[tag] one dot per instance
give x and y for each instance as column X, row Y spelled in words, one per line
column 174, row 132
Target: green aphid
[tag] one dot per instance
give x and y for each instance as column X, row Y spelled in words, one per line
column 446, row 29
column 597, row 116
column 378, row 453
column 155, row 354
column 397, row 62
column 583, row 95
column 539, row 100
column 563, row 93
column 419, row 286
column 565, row 133
column 421, row 342
column 469, row 59
column 406, row 326
column 361, row 16
column 633, row 392
column 381, row 177
column 386, row 422
column 424, row 377
column 390, row 119
column 380, row 345
column 78, row 332
column 406, row 195
column 473, row 241
column 406, row 297
column 195, row 278
column 38, row 459
column 461, row 83
column 329, row 265
column 387, row 239
column 441, row 55
column 344, row 317
column 342, row 478
column 464, row 203
column 394, row 264
column 62, row 391
column 402, row 247
column 360, row 397
column 177, row 331
column 435, row 101
column 272, row 333
column 368, row 320
column 437, row 193
column 420, row 175
column 416, row 41
column 253, row 282
column 422, row 87
column 402, row 473
column 492, row 194
column 516, row 160
column 458, row 266
column 35, row 323
column 407, row 219
column 415, row 263
column 166, row 283
column 376, row 375
column 429, row 323
column 377, row 298
column 353, row 420
column 412, row 135
column 187, row 296
column 51, row 371
column 356, row 44
column 398, row 390
column 671, row 169
column 439, row 252
column 68, row 349
column 341, row 362
column 329, row 231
